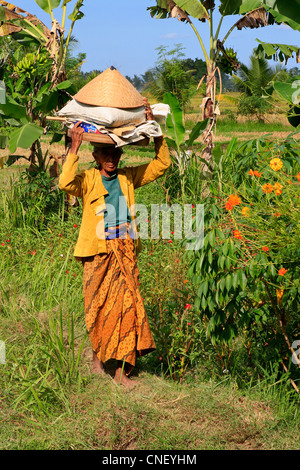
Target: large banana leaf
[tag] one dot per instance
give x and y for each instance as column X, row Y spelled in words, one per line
column 24, row 136
column 175, row 119
column 288, row 91
column 238, row 7
column 283, row 52
column 13, row 110
column 179, row 9
column 14, row 20
column 282, row 10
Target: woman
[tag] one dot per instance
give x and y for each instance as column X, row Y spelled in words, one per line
column 108, row 244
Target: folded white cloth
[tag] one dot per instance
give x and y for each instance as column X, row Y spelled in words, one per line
column 109, row 117
column 135, row 134
column 124, row 126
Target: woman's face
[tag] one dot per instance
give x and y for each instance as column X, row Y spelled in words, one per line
column 108, row 159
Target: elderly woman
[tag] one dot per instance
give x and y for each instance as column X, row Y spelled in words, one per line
column 108, row 244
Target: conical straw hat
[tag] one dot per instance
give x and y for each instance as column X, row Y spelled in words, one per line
column 110, row 89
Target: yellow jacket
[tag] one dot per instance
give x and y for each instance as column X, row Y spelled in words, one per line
column 88, row 186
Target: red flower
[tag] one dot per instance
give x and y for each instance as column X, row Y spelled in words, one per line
column 298, row 176
column 75, row 225
column 2, row 244
column 229, row 206
column 188, row 306
column 237, row 235
column 282, row 271
column 265, row 248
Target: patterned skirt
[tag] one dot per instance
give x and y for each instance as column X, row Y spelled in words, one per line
column 115, row 315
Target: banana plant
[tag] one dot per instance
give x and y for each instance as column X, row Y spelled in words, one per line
column 27, row 28
column 180, row 148
column 252, row 14
column 35, row 82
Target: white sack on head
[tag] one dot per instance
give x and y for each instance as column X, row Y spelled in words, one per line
column 104, row 116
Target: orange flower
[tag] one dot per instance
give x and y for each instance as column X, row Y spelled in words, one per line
column 298, row 176
column 267, row 188
column 229, row 206
column 245, row 211
column 237, row 235
column 265, row 248
column 276, row 164
column 276, row 214
column 234, row 199
column 277, row 189
column 255, row 173
column 282, row 271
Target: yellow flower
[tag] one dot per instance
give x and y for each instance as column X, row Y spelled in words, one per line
column 276, row 164
column 267, row 188
column 245, row 211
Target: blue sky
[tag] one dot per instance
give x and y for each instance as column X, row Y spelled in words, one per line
column 122, row 33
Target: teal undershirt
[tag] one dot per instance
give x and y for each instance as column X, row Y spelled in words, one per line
column 116, row 207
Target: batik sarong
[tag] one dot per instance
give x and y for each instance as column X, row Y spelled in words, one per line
column 116, row 319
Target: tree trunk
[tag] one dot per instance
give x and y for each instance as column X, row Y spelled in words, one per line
column 208, row 112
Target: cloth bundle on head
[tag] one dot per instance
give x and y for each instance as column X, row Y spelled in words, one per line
column 112, row 105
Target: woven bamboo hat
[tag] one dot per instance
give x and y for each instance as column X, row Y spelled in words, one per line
column 110, row 89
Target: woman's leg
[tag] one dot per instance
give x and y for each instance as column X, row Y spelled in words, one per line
column 97, row 365
column 121, row 377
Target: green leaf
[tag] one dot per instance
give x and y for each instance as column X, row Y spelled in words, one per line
column 175, row 119
column 193, row 8
column 3, row 141
column 231, row 146
column 48, row 5
column 228, row 282
column 196, row 132
column 13, row 110
column 294, row 116
column 14, row 158
column 283, row 52
column 288, row 91
column 286, row 11
column 235, row 7
column 24, row 136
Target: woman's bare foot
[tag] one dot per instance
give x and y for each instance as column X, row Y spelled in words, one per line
column 98, row 367
column 122, row 379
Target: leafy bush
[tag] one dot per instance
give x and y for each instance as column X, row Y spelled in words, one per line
column 247, row 274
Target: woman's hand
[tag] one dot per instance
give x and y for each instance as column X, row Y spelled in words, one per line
column 148, row 110
column 76, row 135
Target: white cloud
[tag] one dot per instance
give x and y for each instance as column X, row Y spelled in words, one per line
column 169, row 36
